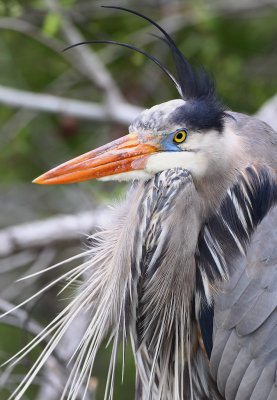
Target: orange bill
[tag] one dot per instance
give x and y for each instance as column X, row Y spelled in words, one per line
column 127, row 153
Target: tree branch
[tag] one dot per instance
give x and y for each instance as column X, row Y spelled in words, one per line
column 86, row 61
column 52, row 231
column 123, row 113
column 24, row 116
column 55, row 369
column 26, row 28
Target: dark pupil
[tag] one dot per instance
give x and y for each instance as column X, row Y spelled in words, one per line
column 179, row 136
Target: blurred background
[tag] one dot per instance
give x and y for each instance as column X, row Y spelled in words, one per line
column 55, row 105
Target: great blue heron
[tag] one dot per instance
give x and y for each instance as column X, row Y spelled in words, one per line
column 188, row 267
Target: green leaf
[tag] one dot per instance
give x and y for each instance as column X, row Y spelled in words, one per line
column 51, row 24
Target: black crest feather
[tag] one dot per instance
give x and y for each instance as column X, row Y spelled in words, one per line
column 194, row 85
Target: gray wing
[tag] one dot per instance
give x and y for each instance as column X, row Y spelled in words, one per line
column 244, row 355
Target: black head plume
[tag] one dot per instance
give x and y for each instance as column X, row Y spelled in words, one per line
column 193, row 84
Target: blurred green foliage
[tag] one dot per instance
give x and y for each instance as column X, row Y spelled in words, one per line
column 239, row 48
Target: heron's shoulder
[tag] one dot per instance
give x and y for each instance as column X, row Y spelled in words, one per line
column 246, row 121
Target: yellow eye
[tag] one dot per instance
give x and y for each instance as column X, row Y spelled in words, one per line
column 180, row 136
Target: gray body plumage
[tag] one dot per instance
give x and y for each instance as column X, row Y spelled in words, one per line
column 244, row 357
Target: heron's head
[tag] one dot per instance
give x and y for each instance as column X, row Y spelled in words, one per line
column 195, row 134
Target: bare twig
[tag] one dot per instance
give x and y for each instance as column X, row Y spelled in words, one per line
column 87, row 61
column 26, row 28
column 23, row 116
column 42, row 261
column 56, row 371
column 56, row 364
column 18, row 318
column 123, row 113
column 17, row 260
column 53, row 231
